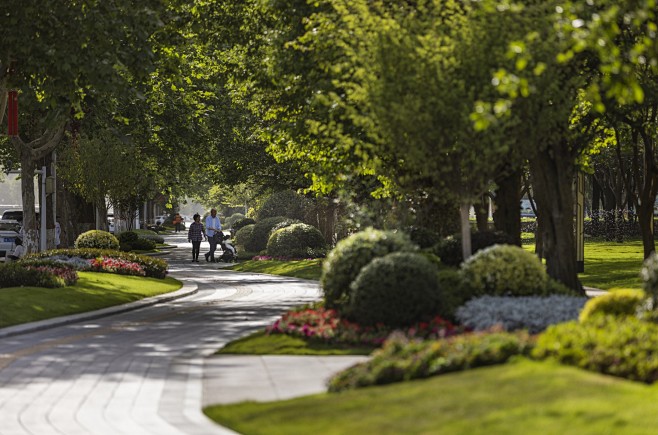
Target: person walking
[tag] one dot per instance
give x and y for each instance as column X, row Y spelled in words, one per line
column 177, row 221
column 213, row 232
column 196, row 234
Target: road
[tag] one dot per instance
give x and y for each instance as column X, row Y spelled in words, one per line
column 139, row 372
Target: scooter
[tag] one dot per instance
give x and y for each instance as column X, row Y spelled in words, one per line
column 229, row 252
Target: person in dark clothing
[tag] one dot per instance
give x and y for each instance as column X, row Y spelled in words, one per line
column 196, row 235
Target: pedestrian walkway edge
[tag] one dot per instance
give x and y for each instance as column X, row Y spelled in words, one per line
column 187, row 290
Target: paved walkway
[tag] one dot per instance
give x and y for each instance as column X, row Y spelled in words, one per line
column 150, row 370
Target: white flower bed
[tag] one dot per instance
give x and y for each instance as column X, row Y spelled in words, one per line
column 534, row 313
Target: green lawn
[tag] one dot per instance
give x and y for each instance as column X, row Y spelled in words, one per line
column 523, row 397
column 259, row 343
column 307, row 269
column 92, row 292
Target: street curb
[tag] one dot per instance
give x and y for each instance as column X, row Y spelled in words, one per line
column 186, row 290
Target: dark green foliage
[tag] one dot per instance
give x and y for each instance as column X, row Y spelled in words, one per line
column 261, row 233
column 284, row 203
column 452, row 293
column 423, row 237
column 449, row 249
column 504, row 270
column 241, row 223
column 17, row 275
column 229, row 221
column 398, row 289
column 127, row 236
column 401, row 360
column 243, row 235
column 345, row 261
column 296, row 241
column 138, row 245
column 97, row 239
column 154, row 267
column 620, row 346
column 618, row 303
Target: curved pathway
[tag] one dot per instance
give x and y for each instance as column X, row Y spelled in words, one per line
column 141, row 371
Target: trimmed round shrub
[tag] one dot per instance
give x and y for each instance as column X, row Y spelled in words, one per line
column 97, row 239
column 452, row 293
column 241, row 223
column 243, row 235
column 345, row 261
column 127, row 236
column 619, row 303
column 504, row 270
column 296, row 241
column 286, row 203
column 423, row 237
column 396, row 290
column 449, row 249
column 261, row 233
column 229, row 221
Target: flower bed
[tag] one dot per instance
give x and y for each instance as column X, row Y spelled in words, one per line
column 326, row 325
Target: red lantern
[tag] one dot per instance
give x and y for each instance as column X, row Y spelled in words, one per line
column 12, row 113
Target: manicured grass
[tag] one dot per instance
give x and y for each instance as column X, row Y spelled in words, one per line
column 307, row 269
column 523, row 397
column 610, row 265
column 279, row 344
column 92, row 291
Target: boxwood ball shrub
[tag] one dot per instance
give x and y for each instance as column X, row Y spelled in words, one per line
column 241, row 223
column 504, row 270
column 423, row 237
column 261, row 232
column 449, row 249
column 344, row 262
column 627, row 302
column 243, row 235
column 127, row 236
column 396, row 290
column 97, row 239
column 228, row 223
column 296, row 241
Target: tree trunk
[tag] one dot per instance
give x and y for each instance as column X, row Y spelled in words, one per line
column 482, row 213
column 553, row 172
column 30, row 225
column 645, row 218
column 507, row 216
column 464, row 209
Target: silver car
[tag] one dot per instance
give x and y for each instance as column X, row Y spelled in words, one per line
column 8, row 234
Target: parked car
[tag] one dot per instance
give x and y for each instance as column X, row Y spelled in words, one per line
column 14, row 215
column 8, row 234
column 160, row 220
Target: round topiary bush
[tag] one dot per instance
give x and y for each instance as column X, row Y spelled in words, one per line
column 397, row 290
column 345, row 261
column 127, row 236
column 262, row 231
column 296, row 241
column 619, row 303
column 449, row 249
column 504, row 270
column 243, row 235
column 241, row 223
column 423, row 237
column 97, row 239
column 228, row 223
column 286, row 203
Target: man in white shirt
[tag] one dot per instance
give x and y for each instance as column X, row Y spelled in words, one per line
column 213, row 231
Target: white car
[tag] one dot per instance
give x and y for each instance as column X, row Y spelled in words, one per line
column 8, row 234
column 159, row 220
